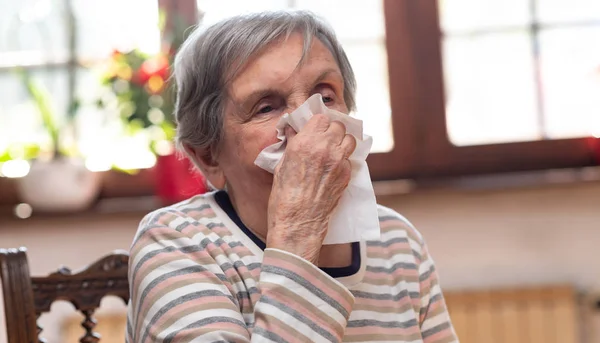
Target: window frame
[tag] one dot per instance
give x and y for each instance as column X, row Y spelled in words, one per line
column 422, row 146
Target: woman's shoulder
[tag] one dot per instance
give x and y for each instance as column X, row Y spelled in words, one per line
column 395, row 227
column 197, row 211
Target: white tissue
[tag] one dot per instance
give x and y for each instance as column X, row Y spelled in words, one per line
column 355, row 218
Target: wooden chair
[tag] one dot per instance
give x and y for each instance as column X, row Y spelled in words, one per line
column 26, row 297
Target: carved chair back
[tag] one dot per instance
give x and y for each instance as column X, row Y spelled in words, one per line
column 26, row 297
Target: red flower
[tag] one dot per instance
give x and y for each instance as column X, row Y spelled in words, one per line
column 154, row 66
column 116, row 54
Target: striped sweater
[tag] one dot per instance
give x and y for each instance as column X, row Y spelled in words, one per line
column 197, row 274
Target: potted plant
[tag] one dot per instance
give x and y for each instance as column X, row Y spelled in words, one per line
column 139, row 82
column 146, row 99
column 58, row 180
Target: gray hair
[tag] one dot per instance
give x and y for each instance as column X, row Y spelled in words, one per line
column 209, row 59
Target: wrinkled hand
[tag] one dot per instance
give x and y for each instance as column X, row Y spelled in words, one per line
column 307, row 185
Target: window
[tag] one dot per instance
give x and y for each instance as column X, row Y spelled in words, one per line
column 62, row 44
column 496, row 86
column 520, row 70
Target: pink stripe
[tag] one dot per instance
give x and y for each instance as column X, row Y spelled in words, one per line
column 433, row 306
column 392, row 224
column 199, row 255
column 403, row 301
column 316, row 282
column 175, row 311
column 207, row 212
column 313, row 316
column 148, row 301
column 219, row 326
column 399, row 273
column 374, row 330
column 150, row 237
column 438, row 336
column 147, row 265
column 392, row 249
column 286, row 335
column 190, row 230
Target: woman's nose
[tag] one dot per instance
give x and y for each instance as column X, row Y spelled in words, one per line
column 295, row 101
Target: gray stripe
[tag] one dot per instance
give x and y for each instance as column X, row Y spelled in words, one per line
column 298, row 316
column 218, row 242
column 417, row 255
column 369, row 322
column 203, row 322
column 388, row 218
column 308, row 286
column 130, row 332
column 185, row 224
column 236, row 244
column 149, row 222
column 427, row 274
column 393, row 268
column 394, row 297
column 185, row 250
column 237, row 265
column 214, row 225
column 245, row 294
column 436, row 297
column 268, row 334
column 253, row 266
column 225, row 266
column 387, row 243
column 195, row 222
column 207, row 241
column 424, row 310
column 198, row 208
column 178, row 301
column 179, row 272
column 435, row 329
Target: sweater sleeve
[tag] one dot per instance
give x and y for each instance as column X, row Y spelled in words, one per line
column 179, row 293
column 434, row 320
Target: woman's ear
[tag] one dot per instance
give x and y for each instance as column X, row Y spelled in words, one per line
column 208, row 165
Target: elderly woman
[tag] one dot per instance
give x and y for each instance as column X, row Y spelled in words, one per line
column 247, row 263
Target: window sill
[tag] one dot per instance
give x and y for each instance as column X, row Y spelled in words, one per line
column 491, row 182
column 141, row 205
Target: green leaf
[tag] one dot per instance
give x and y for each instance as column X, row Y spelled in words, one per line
column 5, row 156
column 42, row 101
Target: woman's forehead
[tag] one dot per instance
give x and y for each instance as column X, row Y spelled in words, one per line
column 286, row 62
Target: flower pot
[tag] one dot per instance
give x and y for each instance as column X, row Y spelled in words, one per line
column 177, row 179
column 59, row 185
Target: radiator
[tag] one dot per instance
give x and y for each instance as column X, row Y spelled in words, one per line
column 534, row 315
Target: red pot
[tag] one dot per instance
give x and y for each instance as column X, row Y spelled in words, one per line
column 177, row 179
column 594, row 146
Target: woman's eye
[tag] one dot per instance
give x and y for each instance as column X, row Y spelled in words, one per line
column 327, row 93
column 265, row 109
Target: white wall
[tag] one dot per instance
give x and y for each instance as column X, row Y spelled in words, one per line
column 513, row 237
column 479, row 239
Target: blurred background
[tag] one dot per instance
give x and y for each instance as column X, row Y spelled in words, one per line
column 486, row 123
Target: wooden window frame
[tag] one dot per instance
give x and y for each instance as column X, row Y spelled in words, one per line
column 422, row 148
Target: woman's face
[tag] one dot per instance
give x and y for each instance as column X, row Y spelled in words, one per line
column 270, row 85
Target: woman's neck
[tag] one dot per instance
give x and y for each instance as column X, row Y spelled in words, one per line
column 252, row 212
column 253, row 215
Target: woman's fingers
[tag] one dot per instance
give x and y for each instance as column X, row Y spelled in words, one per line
column 289, row 132
column 337, row 130
column 348, row 145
